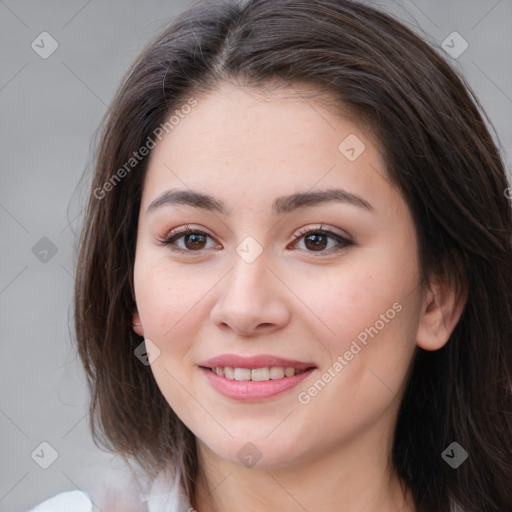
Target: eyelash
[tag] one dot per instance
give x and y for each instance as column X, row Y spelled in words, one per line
column 176, row 235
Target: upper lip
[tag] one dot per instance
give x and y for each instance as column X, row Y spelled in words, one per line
column 259, row 361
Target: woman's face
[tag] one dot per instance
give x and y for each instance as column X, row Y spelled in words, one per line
column 323, row 323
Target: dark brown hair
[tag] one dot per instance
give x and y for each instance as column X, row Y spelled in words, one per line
column 440, row 156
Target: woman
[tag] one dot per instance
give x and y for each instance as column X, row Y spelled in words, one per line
column 294, row 279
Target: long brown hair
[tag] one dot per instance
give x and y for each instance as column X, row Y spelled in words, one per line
column 439, row 155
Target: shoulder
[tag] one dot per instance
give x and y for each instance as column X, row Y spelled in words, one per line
column 113, row 487
column 75, row 501
column 121, row 490
column 79, row 501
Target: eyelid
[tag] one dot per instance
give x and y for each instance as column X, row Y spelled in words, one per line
column 180, row 231
column 320, row 228
column 177, row 233
column 343, row 241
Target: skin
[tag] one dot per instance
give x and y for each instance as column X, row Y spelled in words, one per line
column 247, row 147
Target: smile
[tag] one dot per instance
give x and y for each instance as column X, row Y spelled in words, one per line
column 254, row 384
column 254, row 378
column 256, row 374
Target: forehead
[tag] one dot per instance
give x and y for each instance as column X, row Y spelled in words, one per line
column 250, row 142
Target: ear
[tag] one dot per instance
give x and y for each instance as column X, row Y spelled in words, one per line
column 441, row 310
column 137, row 326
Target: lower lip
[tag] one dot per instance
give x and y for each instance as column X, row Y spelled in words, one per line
column 248, row 390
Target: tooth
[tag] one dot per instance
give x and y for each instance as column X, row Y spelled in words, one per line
column 276, row 372
column 289, row 372
column 260, row 374
column 256, row 374
column 242, row 373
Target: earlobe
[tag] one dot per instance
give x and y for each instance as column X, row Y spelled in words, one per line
column 441, row 311
column 137, row 326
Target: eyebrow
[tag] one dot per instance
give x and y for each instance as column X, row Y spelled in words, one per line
column 280, row 206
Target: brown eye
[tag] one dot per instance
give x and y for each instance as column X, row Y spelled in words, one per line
column 196, row 241
column 193, row 240
column 316, row 240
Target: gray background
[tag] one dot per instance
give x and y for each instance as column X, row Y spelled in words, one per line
column 49, row 109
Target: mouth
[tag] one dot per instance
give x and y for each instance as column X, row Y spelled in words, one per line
column 254, row 378
column 257, row 374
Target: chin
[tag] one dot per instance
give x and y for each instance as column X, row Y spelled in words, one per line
column 256, row 452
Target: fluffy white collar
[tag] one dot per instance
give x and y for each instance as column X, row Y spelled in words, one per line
column 121, row 490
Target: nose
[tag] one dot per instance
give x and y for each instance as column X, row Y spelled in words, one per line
column 252, row 300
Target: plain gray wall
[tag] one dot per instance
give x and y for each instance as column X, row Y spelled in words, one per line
column 49, row 109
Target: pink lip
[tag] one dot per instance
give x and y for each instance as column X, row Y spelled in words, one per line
column 247, row 390
column 259, row 361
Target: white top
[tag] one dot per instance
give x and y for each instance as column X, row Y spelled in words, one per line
column 163, row 496
column 75, row 501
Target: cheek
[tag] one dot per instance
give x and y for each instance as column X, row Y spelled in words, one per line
column 173, row 301
column 169, row 306
column 165, row 297
column 358, row 294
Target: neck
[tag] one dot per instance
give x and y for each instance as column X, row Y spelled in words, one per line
column 351, row 478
